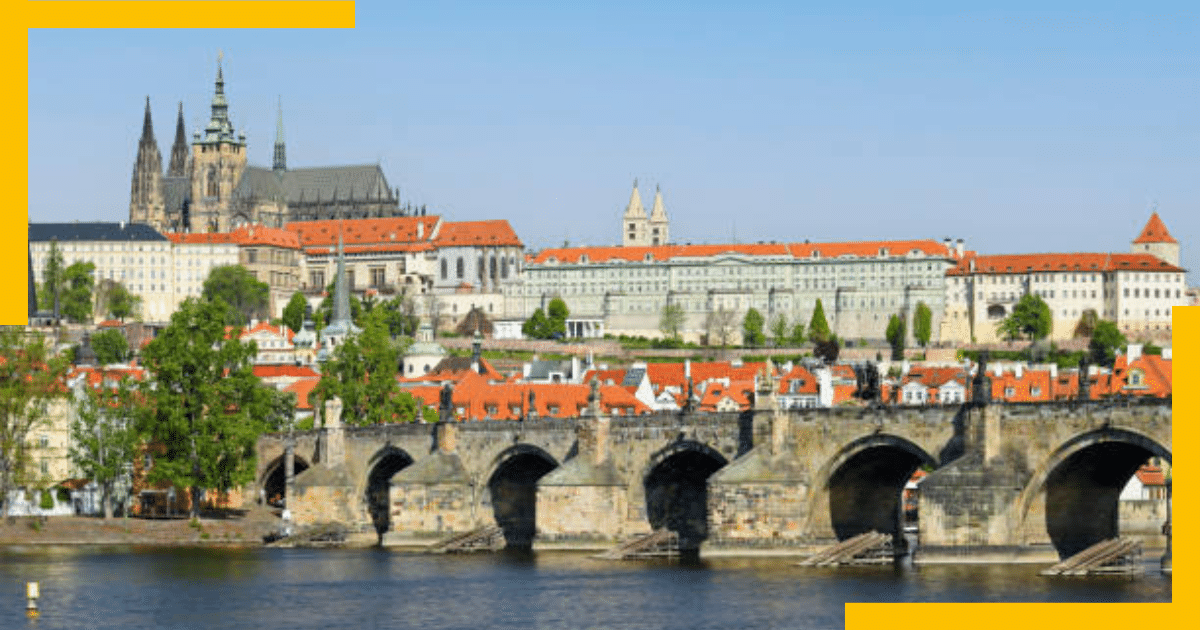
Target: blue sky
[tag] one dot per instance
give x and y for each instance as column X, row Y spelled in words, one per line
column 1019, row 130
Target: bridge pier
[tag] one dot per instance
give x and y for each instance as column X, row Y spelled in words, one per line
column 584, row 499
column 434, row 496
column 325, row 492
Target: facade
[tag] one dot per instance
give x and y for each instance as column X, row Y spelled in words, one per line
column 639, row 230
column 860, row 285
column 209, row 187
column 272, row 255
column 1136, row 290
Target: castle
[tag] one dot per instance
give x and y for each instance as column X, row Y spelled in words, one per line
column 209, row 187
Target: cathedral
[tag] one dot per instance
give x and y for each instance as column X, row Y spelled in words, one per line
column 209, row 187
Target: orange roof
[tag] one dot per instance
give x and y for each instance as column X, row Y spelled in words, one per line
column 481, row 399
column 672, row 374
column 861, row 249
column 470, row 233
column 110, row 323
column 1151, row 475
column 1024, row 387
column 96, row 375
column 277, row 371
column 302, row 388
column 268, row 328
column 808, row 381
column 244, row 235
column 1156, row 376
column 740, row 392
column 375, row 232
column 1036, row 263
column 199, row 238
column 1155, row 232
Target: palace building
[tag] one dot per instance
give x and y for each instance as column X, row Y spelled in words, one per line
column 209, row 186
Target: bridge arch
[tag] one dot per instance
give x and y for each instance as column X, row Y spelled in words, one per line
column 1072, row 497
column 676, row 486
column 861, row 486
column 381, row 466
column 512, row 491
column 273, row 481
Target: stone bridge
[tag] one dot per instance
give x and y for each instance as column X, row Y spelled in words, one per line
column 1029, row 478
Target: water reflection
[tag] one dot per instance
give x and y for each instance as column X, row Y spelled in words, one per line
column 266, row 589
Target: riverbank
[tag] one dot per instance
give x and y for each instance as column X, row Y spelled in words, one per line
column 228, row 528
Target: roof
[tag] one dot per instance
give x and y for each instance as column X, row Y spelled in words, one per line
column 1151, row 475
column 496, row 233
column 1155, row 232
column 1038, row 263
column 859, row 249
column 480, row 399
column 268, row 328
column 808, row 382
column 363, row 182
column 284, row 371
column 368, row 234
column 93, row 231
column 302, row 388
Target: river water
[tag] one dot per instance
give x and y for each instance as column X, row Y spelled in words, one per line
column 268, row 589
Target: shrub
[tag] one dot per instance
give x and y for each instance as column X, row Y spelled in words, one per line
column 47, row 500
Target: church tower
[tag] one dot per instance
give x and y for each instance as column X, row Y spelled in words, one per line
column 634, row 223
column 659, row 225
column 1155, row 239
column 179, row 149
column 145, row 196
column 279, row 161
column 218, row 159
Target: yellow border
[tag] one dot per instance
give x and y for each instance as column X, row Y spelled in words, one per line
column 340, row 14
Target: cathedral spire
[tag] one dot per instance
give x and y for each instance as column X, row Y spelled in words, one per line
column 220, row 128
column 179, row 150
column 147, row 125
column 145, row 195
column 279, row 164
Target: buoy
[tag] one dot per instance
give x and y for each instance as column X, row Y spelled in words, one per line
column 31, row 596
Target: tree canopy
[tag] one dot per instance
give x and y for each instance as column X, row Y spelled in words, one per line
column 798, row 336
column 1030, row 319
column 110, row 346
column 293, row 313
column 30, row 379
column 818, row 327
column 205, row 408
column 922, row 324
column 52, row 279
column 752, row 329
column 1106, row 340
column 896, row 332
column 780, row 330
column 77, row 291
column 671, row 320
column 549, row 324
column 362, row 373
column 104, row 435
column 245, row 297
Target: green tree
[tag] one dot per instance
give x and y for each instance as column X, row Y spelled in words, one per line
column 671, row 320
column 818, row 327
column 77, row 291
column 52, row 280
column 1106, row 340
column 1030, row 319
column 121, row 303
column 205, row 408
column 110, row 346
column 30, row 379
column 922, row 324
column 362, row 373
column 293, row 313
column 752, row 329
column 798, row 337
column 400, row 315
column 245, row 297
column 104, row 436
column 324, row 313
column 896, row 332
column 779, row 330
column 556, row 318
column 535, row 326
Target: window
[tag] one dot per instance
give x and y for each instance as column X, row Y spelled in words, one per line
column 459, row 268
column 251, row 256
column 378, row 276
column 444, row 272
column 350, row 279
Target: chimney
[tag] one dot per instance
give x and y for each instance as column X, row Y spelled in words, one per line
column 420, row 230
column 1053, row 371
column 687, row 369
column 972, row 265
column 958, row 247
column 1018, row 369
column 947, row 244
column 1133, row 353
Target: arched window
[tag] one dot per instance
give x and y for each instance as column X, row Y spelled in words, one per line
column 460, row 268
column 492, row 271
column 213, row 189
column 445, row 273
column 503, row 267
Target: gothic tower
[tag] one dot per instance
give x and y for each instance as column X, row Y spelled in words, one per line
column 633, row 224
column 659, row 226
column 179, row 150
column 218, row 159
column 145, row 196
column 1155, row 239
column 279, row 162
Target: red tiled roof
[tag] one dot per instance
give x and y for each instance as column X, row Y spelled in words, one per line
column 374, row 232
column 1151, row 475
column 1036, row 263
column 277, row 371
column 302, row 388
column 1024, row 387
column 862, row 249
column 809, row 385
column 199, row 238
column 496, row 233
column 481, row 399
column 268, row 328
column 1155, row 232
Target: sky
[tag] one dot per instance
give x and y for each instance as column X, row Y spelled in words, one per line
column 1023, row 130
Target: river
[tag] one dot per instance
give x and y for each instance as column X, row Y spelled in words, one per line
column 269, row 589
